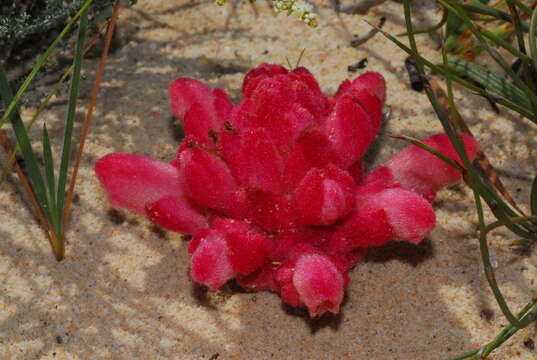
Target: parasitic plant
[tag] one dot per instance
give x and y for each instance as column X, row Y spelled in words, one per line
column 273, row 189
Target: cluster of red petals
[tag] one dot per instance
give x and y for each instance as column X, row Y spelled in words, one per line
column 272, row 189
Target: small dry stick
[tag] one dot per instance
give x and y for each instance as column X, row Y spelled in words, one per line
column 89, row 114
column 360, row 8
column 369, row 35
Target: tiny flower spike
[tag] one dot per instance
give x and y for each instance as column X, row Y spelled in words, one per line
column 273, row 189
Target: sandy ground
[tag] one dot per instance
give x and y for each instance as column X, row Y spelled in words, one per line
column 124, row 291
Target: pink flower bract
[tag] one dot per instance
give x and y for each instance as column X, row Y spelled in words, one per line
column 273, row 189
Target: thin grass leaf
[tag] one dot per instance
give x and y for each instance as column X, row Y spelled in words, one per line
column 430, row 29
column 472, row 180
column 49, row 175
column 455, row 139
column 527, row 61
column 457, row 10
column 497, row 205
column 23, row 141
column 44, row 103
column 522, row 7
column 507, row 332
column 454, row 29
column 533, row 196
column 500, row 209
column 438, row 154
column 480, row 8
column 489, row 270
column 456, row 76
column 532, row 38
column 71, row 113
column 498, row 40
column 493, row 83
column 89, row 114
column 42, row 60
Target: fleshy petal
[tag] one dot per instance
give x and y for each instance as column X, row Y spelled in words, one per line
column 308, row 93
column 135, row 181
column 312, row 150
column 208, row 180
column 176, row 214
column 373, row 82
column 349, row 130
column 200, row 109
column 424, row 173
column 261, row 279
column 255, row 76
column 371, row 105
column 368, row 226
column 410, row 215
column 185, row 92
column 248, row 249
column 210, row 263
column 270, row 211
column 319, row 284
column 253, row 159
column 357, row 171
column 324, row 196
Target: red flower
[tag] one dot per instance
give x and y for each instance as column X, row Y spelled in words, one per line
column 272, row 189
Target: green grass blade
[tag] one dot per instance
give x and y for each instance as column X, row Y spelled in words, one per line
column 71, row 112
column 489, row 270
column 48, row 161
column 42, row 60
column 457, row 10
column 454, row 29
column 493, row 83
column 533, row 196
column 41, row 107
column 499, row 41
column 480, row 8
column 49, row 168
column 26, row 148
column 522, row 7
column 497, row 205
column 528, row 311
column 456, row 76
column 9, row 164
column 532, row 40
column 526, row 60
column 427, row 148
column 430, row 29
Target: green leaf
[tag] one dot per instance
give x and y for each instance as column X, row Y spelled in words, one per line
column 533, row 197
column 71, row 112
column 23, row 141
column 7, row 167
column 493, row 83
column 49, row 168
column 49, row 175
column 457, row 10
column 531, row 39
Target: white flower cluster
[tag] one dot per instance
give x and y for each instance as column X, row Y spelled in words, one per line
column 299, row 8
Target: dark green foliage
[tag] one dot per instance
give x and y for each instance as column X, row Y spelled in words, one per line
column 27, row 26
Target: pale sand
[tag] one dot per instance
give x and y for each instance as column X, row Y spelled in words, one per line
column 124, row 291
